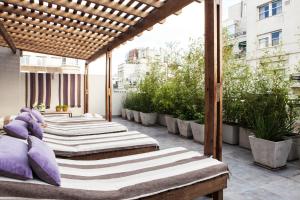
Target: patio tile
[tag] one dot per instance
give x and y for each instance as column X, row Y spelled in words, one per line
column 247, row 180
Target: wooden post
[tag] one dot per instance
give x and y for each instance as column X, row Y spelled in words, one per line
column 86, row 88
column 7, row 38
column 108, row 87
column 213, row 79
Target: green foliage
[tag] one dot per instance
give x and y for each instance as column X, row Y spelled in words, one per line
column 267, row 110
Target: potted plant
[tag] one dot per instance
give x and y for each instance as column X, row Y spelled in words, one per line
column 136, row 102
column 128, row 106
column 65, row 108
column 197, row 127
column 271, row 122
column 147, row 89
column 58, row 108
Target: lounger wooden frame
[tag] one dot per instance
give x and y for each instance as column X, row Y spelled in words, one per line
column 113, row 154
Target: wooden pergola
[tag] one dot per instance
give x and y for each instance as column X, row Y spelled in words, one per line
column 88, row 29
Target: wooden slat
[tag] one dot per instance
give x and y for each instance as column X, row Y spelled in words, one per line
column 154, row 17
column 156, row 4
column 58, row 20
column 92, row 11
column 7, row 38
column 56, row 37
column 61, row 13
column 119, row 7
column 45, row 51
column 57, row 28
column 213, row 81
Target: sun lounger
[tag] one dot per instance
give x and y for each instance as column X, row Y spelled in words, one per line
column 92, row 147
column 166, row 174
column 73, row 120
column 84, row 129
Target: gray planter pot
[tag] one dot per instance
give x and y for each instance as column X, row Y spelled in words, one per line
column 184, row 128
column 172, row 125
column 270, row 154
column 136, row 116
column 148, row 119
column 244, row 134
column 123, row 111
column 129, row 114
column 230, row 134
column 198, row 132
column 293, row 155
column 161, row 119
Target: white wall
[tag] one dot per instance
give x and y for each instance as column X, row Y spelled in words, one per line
column 11, row 83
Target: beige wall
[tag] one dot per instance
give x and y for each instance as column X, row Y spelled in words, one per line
column 11, row 83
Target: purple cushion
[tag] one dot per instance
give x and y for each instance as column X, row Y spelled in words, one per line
column 25, row 117
column 35, row 129
column 17, row 128
column 38, row 116
column 24, row 109
column 13, row 158
column 42, row 161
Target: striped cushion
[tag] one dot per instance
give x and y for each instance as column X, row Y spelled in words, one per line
column 129, row 177
column 67, row 120
column 84, row 145
column 83, row 129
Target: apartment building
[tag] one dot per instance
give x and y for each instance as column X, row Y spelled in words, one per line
column 266, row 27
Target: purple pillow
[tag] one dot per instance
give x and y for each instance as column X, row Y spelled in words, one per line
column 35, row 129
column 38, row 116
column 42, row 161
column 17, row 128
column 13, row 158
column 24, row 109
column 25, row 117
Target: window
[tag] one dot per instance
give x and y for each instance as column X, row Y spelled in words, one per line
column 264, row 42
column 276, row 7
column 276, row 38
column 64, row 61
column 264, row 11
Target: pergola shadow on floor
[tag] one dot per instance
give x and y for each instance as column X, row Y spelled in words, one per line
column 88, row 29
column 247, row 181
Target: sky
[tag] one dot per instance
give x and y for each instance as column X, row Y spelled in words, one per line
column 177, row 28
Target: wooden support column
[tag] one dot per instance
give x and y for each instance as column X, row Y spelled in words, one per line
column 213, row 79
column 108, row 87
column 86, row 88
column 7, row 38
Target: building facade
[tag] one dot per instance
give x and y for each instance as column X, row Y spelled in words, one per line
column 266, row 28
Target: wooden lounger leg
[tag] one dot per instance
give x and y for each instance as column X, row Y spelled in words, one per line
column 218, row 195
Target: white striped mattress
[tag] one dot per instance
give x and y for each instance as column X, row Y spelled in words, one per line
column 91, row 144
column 72, row 120
column 129, row 177
column 85, row 129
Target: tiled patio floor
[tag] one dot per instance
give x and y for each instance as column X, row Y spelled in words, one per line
column 247, row 181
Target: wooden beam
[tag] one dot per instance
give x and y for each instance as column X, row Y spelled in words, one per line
column 213, row 80
column 108, row 87
column 86, row 88
column 153, row 18
column 7, row 38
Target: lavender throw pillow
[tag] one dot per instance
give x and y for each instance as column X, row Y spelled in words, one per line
column 25, row 117
column 13, row 158
column 38, row 116
column 35, row 129
column 24, row 109
column 42, row 161
column 17, row 128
